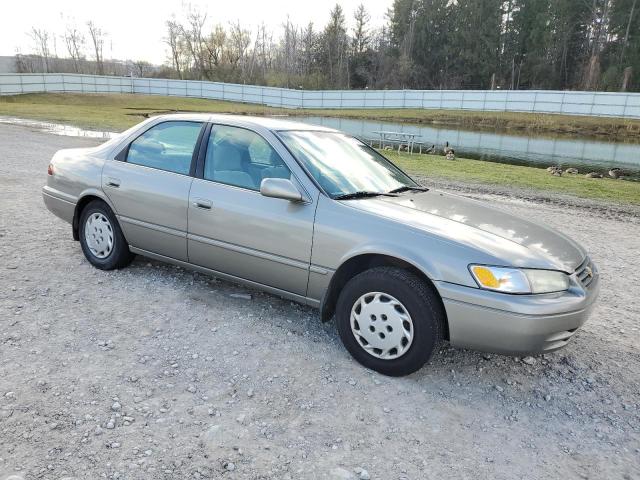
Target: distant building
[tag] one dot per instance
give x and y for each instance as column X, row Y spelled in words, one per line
column 8, row 64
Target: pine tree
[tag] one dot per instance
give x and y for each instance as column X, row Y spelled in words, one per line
column 335, row 43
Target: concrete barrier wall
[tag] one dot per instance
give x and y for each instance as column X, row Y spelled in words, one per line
column 626, row 105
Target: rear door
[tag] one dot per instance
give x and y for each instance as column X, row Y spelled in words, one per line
column 235, row 230
column 149, row 187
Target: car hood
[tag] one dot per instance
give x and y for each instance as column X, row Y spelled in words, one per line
column 507, row 238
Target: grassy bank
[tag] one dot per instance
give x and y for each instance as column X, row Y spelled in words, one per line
column 117, row 112
column 113, row 112
column 476, row 171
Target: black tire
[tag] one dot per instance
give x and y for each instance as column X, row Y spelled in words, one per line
column 119, row 256
column 419, row 299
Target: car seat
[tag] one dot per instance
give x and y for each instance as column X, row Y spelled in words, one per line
column 226, row 167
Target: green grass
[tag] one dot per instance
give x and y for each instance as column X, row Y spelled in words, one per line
column 476, row 171
column 113, row 112
column 118, row 112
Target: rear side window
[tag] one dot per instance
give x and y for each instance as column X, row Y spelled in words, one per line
column 167, row 146
column 242, row 158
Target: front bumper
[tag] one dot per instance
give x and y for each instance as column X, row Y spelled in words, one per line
column 515, row 324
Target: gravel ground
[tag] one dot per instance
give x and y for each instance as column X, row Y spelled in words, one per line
column 155, row 372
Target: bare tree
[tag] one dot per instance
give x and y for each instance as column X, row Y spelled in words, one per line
column 41, row 39
column 74, row 41
column 24, row 63
column 214, row 49
column 176, row 44
column 239, row 41
column 97, row 38
column 260, row 56
column 194, row 41
column 289, row 51
column 142, row 67
column 253, row 58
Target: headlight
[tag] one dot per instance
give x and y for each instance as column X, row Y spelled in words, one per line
column 519, row 280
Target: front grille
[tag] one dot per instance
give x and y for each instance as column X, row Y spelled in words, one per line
column 586, row 272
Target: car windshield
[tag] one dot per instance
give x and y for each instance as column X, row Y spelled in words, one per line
column 343, row 165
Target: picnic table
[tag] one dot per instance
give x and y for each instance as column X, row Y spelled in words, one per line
column 401, row 138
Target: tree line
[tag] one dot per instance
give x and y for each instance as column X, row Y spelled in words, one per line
column 426, row 44
column 76, row 50
column 515, row 44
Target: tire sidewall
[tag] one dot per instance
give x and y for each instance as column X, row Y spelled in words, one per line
column 426, row 333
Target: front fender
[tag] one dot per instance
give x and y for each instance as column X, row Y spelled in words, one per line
column 428, row 266
column 360, row 259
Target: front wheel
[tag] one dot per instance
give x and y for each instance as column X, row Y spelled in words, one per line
column 102, row 241
column 389, row 320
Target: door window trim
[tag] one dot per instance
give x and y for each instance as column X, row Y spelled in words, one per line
column 124, row 153
column 204, row 146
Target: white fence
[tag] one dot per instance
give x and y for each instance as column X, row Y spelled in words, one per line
column 607, row 104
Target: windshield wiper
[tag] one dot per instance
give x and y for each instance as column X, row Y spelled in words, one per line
column 362, row 194
column 406, row 188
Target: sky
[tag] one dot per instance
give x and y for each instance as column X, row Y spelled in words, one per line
column 136, row 28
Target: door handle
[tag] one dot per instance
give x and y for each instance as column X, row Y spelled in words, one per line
column 202, row 203
column 113, row 182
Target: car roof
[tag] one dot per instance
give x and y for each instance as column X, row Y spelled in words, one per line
column 270, row 123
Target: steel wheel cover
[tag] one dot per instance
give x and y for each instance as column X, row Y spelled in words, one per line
column 382, row 325
column 98, row 234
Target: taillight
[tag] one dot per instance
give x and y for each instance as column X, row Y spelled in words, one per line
column 50, row 169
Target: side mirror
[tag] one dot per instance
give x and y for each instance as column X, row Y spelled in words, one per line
column 280, row 188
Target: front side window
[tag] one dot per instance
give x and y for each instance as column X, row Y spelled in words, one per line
column 343, row 165
column 167, row 146
column 242, row 158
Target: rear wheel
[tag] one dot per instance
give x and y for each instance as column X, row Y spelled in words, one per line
column 389, row 320
column 101, row 239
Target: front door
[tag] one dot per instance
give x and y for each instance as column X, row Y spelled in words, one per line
column 235, row 230
column 149, row 188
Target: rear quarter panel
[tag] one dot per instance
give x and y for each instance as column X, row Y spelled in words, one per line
column 77, row 173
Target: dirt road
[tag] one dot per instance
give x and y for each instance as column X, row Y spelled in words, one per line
column 154, row 372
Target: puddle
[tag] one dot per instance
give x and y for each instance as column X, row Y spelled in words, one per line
column 586, row 154
column 57, row 128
